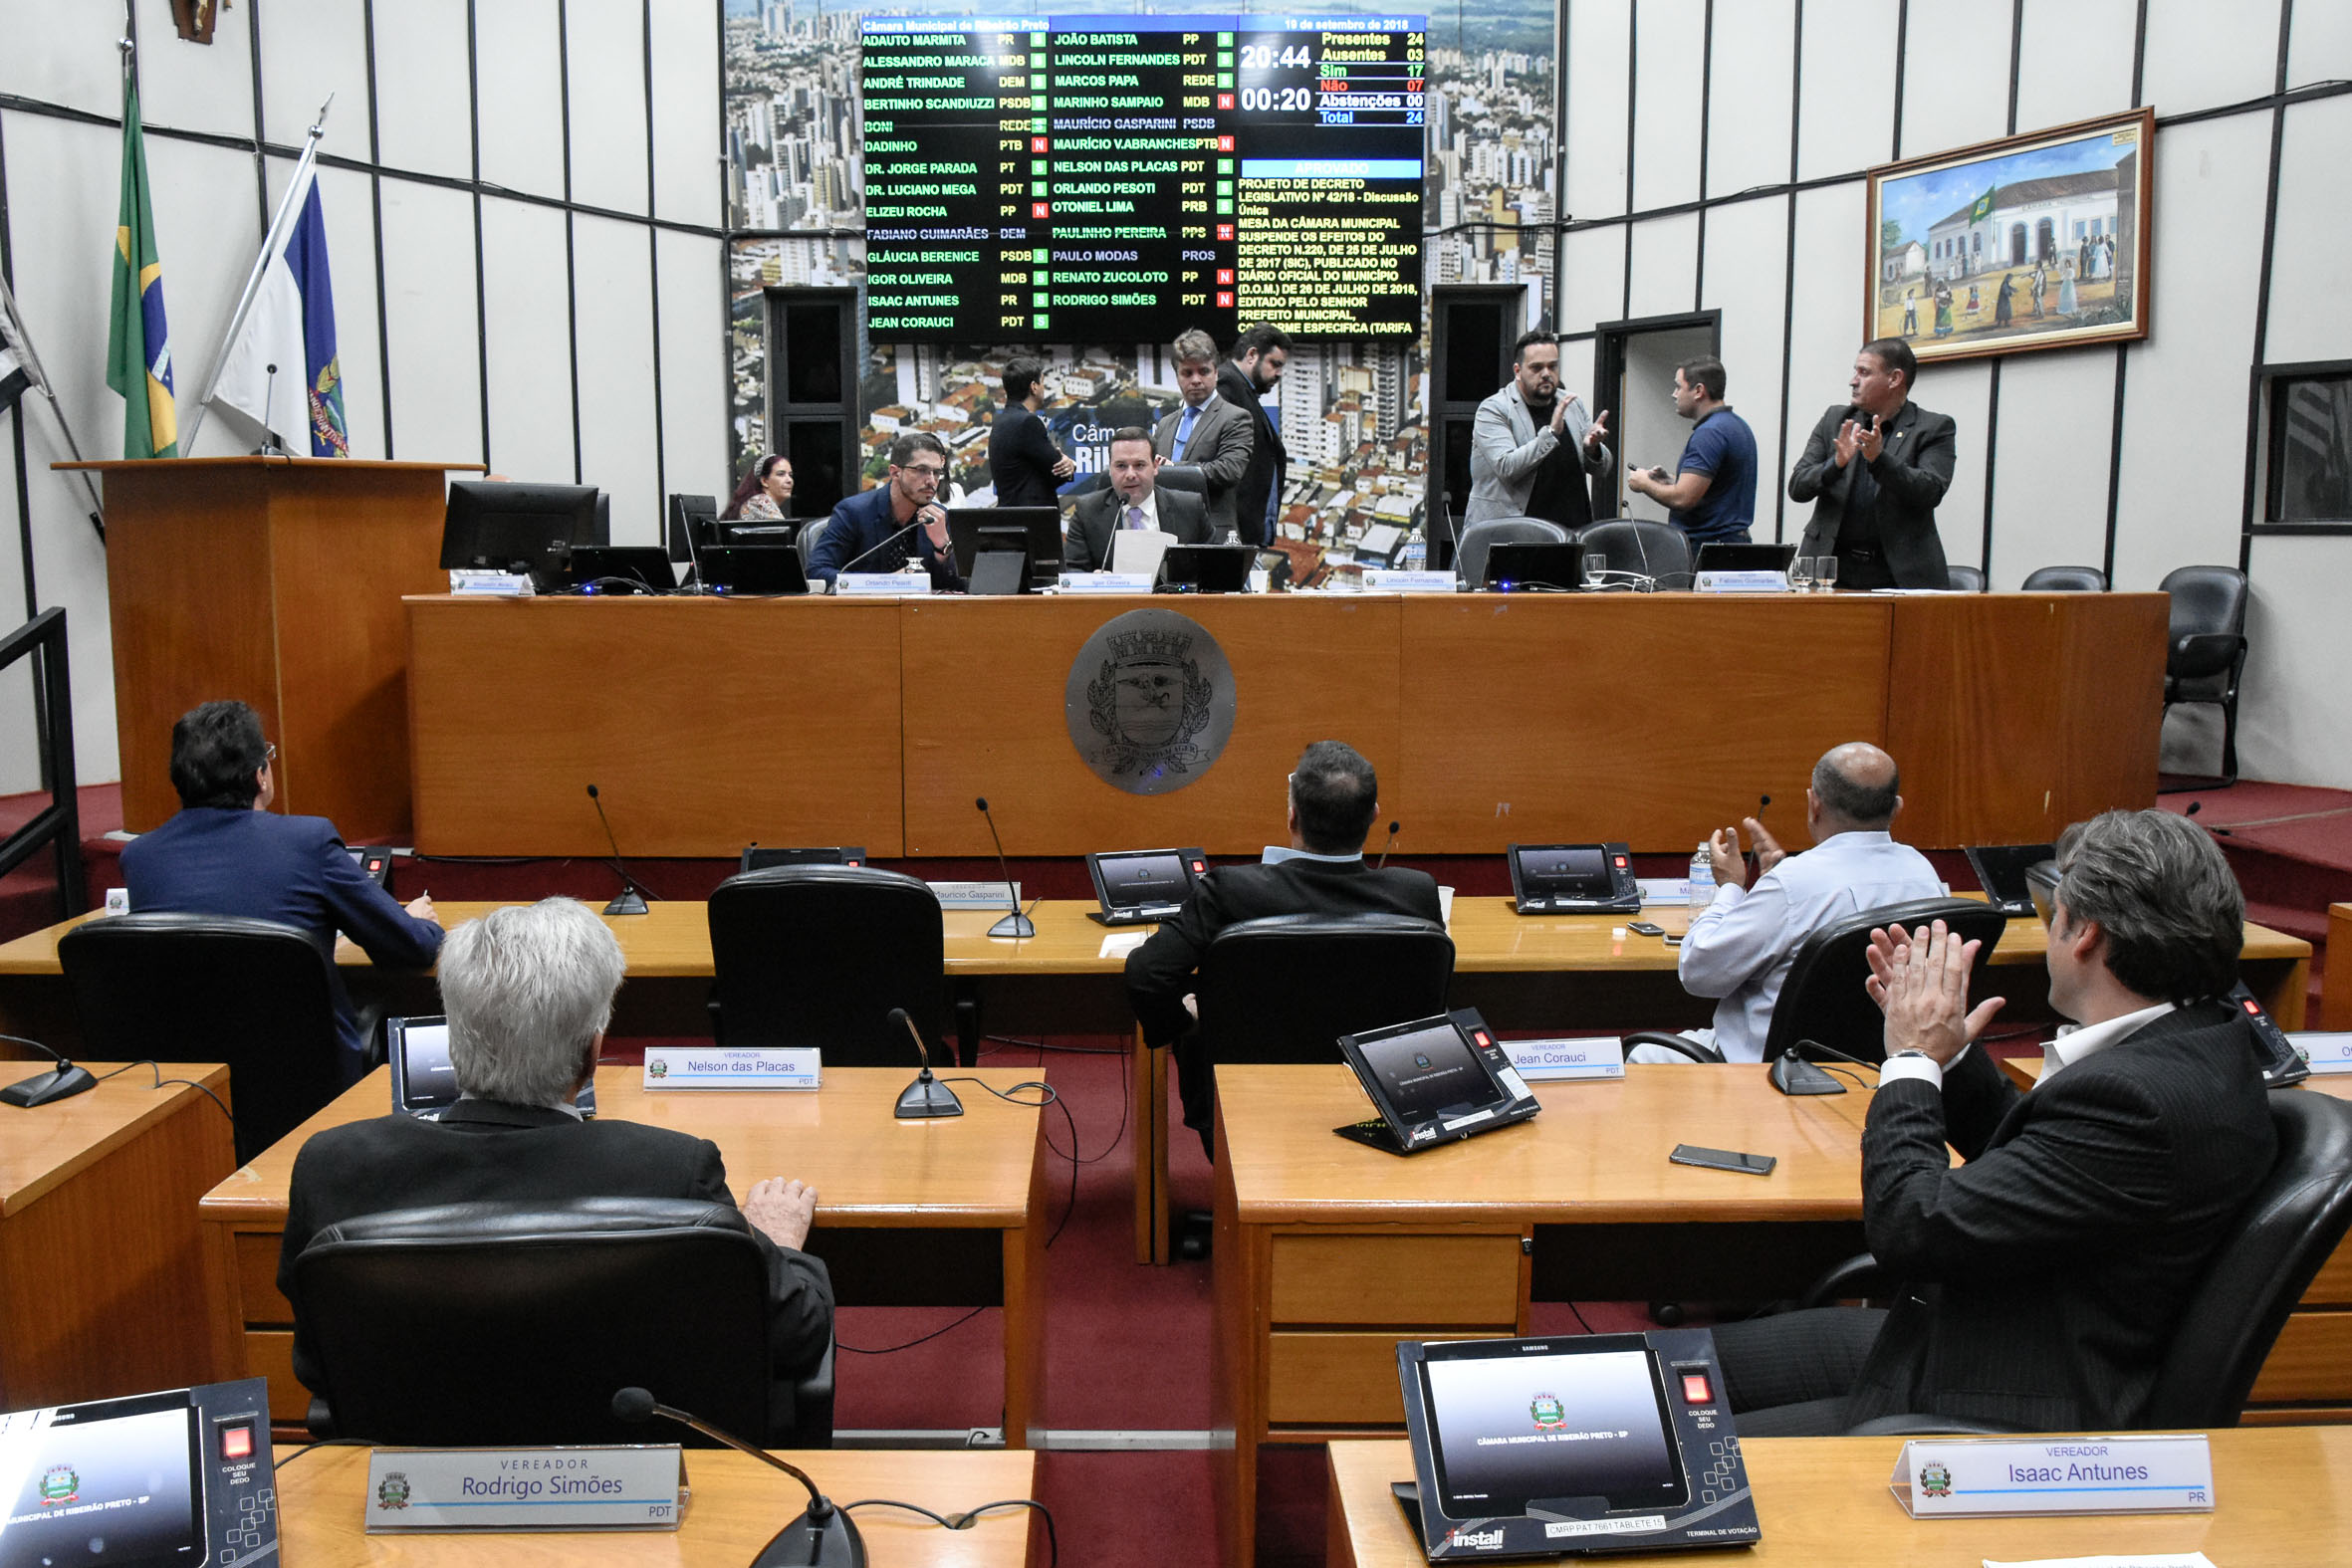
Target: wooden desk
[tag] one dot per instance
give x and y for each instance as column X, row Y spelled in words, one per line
column 1329, row 1252
column 99, row 1257
column 1823, row 1504
column 738, row 1504
column 2335, row 985
column 949, row 1213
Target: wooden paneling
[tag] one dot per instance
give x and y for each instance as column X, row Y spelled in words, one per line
column 707, row 723
column 1338, row 1379
column 2335, row 985
column 268, row 1353
column 985, row 681
column 2109, row 668
column 2311, row 1362
column 257, row 1277
column 1653, row 719
column 1453, row 1280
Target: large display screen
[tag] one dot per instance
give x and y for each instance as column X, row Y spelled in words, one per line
column 119, row 1489
column 1120, row 178
column 1518, row 1428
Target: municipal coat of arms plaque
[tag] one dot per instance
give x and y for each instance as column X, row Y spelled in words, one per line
column 1149, row 701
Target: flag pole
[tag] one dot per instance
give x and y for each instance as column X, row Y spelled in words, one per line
column 279, row 225
column 23, row 340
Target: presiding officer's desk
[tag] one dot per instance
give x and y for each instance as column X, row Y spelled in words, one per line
column 947, row 1212
column 737, row 1504
column 1823, row 1502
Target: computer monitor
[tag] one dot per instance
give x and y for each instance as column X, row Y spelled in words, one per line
column 692, row 520
column 1043, row 525
column 506, row 527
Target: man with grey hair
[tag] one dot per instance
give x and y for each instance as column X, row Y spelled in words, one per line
column 1205, row 430
column 529, row 993
column 2045, row 1277
column 1740, row 948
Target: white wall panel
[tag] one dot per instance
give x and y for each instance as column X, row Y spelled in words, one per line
column 1749, row 96
column 530, row 341
column 521, row 50
column 1669, row 96
column 2200, row 56
column 1746, row 279
column 350, row 244
column 608, row 54
column 685, row 116
column 1576, row 370
column 2291, row 710
column 63, row 54
column 1665, row 266
column 424, row 110
column 1964, row 391
column 187, row 85
column 617, row 375
column 1845, row 119
column 2321, row 48
column 435, row 369
column 1598, row 39
column 308, row 52
column 2310, row 265
column 2076, row 61
column 2184, row 419
column 1595, row 290
column 694, row 365
column 1956, row 78
column 208, row 230
column 2050, row 471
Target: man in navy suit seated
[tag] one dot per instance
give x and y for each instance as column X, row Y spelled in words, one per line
column 225, row 853
column 881, row 529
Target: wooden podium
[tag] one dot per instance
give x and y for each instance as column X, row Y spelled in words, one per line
column 277, row 582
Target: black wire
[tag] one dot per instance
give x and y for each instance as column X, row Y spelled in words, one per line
column 970, row 1517
column 320, row 1443
column 161, row 1080
column 1849, row 1073
column 1046, row 1096
column 887, row 1350
column 54, row 1053
column 1578, row 1316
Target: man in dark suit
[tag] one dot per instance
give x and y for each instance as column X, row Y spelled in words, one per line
column 1335, row 798
column 2045, row 1277
column 224, row 852
column 1877, row 467
column 529, row 993
column 1132, row 501
column 1022, row 458
column 1205, row 430
column 881, row 529
column 1259, row 355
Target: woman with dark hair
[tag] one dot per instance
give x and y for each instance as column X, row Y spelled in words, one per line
column 2003, row 310
column 765, row 493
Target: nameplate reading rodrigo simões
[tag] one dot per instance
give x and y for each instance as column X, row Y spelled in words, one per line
column 1934, row 1476
column 637, row 1486
column 733, row 1067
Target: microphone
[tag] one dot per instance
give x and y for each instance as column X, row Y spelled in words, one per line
column 926, row 1096
column 1015, row 924
column 885, row 545
column 1385, row 848
column 821, row 1536
column 1792, row 1073
column 270, row 445
column 628, row 901
column 2196, row 806
column 60, row 1082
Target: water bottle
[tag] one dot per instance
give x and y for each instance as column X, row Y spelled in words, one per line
column 1702, row 880
column 1415, row 554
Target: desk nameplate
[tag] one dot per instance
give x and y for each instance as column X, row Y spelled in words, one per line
column 1939, row 1476
column 605, row 1488
column 733, row 1067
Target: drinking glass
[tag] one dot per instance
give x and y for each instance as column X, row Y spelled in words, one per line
column 1800, row 574
column 1596, row 566
column 1825, row 575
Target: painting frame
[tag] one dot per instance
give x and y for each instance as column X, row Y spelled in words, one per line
column 2070, row 214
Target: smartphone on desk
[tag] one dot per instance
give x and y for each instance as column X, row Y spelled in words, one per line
column 1723, row 1159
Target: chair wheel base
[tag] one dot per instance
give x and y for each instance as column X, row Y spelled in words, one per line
column 1193, row 1230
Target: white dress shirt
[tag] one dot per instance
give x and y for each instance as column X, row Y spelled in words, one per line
column 2075, row 1045
column 1123, row 520
column 1740, row 946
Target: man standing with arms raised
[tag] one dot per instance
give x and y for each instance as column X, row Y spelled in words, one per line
column 1877, row 467
column 1206, row 430
column 1532, row 447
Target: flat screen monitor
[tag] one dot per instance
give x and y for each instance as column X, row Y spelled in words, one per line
column 1520, row 566
column 1041, row 525
column 1528, row 1423
column 1722, row 556
column 691, row 521
column 507, row 527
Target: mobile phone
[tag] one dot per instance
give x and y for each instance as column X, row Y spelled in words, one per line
column 1723, row 1159
column 1673, row 937
column 1645, row 928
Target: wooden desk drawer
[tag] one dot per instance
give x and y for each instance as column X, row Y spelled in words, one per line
column 1438, row 1280
column 1338, row 1379
column 2310, row 1364
column 257, row 1277
column 2333, row 1285
column 270, row 1354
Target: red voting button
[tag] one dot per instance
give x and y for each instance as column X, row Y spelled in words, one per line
column 1620, row 862
column 1225, row 300
column 1483, row 1037
column 2252, row 1008
column 1224, row 100
column 1037, row 143
column 1224, row 275
column 1040, row 209
column 1225, row 231
column 236, row 1443
column 1201, row 866
column 1695, row 1390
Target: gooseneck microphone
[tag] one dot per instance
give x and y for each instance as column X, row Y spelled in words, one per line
column 60, row 1082
column 895, row 534
column 1791, row 1074
column 271, row 446
column 1385, row 848
column 628, row 901
column 822, row 1537
column 1015, row 924
column 926, row 1096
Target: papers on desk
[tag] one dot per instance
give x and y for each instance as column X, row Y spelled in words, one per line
column 1137, row 551
column 2328, row 1053
column 1445, row 906
column 1118, row 944
column 2136, row 1560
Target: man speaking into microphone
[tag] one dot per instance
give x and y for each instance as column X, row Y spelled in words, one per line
column 882, row 529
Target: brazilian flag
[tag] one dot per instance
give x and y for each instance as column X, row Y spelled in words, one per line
column 138, row 346
column 1983, row 206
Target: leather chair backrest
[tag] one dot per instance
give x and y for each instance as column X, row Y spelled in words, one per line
column 253, row 993
column 1965, row 580
column 2064, row 579
column 806, row 541
column 2286, row 1231
column 1470, row 550
column 1655, row 550
column 1284, row 990
column 1182, row 476
column 491, row 1324
column 1822, row 998
column 2206, row 599
column 820, row 955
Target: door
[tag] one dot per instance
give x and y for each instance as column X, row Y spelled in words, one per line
column 1634, row 380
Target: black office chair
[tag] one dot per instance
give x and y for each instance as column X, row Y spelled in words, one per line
column 820, row 955
column 1469, row 550
column 1656, row 551
column 806, row 541
column 2208, row 655
column 486, row 1324
column 2283, row 1238
column 1182, row 476
column 1965, row 580
column 1822, row 1002
column 2064, row 579
column 254, row 994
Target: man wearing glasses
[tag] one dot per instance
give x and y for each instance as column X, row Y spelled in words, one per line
column 882, row 529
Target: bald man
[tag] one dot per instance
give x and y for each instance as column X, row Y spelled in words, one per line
column 1741, row 946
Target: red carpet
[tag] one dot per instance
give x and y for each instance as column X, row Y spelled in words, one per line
column 2292, row 847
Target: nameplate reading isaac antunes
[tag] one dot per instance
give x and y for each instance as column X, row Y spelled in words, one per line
column 2117, row 1474
column 1150, row 702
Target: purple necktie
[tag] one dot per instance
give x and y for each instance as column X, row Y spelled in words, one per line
column 1134, row 517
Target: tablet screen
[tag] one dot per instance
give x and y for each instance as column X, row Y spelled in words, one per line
column 111, row 1489
column 1153, row 877
column 1510, row 1429
column 1564, row 870
column 1428, row 1072
column 425, row 1071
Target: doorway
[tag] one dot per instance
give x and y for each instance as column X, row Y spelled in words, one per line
column 1633, row 383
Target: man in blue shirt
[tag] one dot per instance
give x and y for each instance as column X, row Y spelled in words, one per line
column 1713, row 499
column 879, row 530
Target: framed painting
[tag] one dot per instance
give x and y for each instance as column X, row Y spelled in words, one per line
column 2039, row 241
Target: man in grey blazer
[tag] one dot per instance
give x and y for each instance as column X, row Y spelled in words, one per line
column 1131, row 500
column 1206, row 430
column 1876, row 468
column 1530, row 447
column 2042, row 1280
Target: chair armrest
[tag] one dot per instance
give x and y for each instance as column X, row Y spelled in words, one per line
column 1919, row 1424
column 319, row 1420
column 2202, row 653
column 1673, row 1043
column 1843, row 1281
